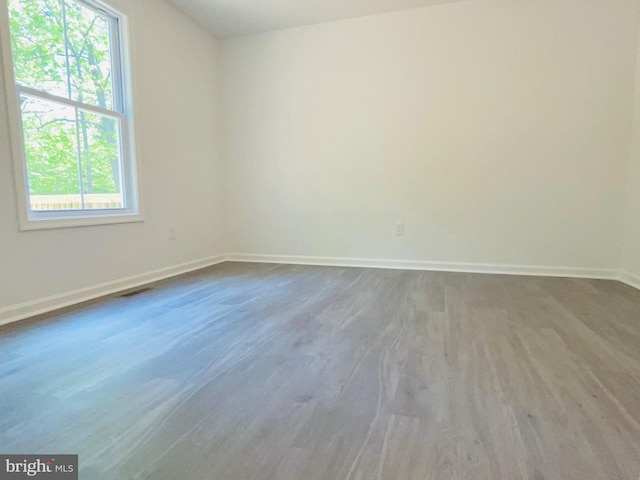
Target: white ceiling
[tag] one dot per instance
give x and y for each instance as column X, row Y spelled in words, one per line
column 226, row 18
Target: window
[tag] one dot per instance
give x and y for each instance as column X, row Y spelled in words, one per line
column 71, row 112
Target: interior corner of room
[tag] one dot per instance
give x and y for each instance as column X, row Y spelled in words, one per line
column 310, row 145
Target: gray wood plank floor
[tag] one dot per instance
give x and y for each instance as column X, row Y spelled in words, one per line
column 246, row 371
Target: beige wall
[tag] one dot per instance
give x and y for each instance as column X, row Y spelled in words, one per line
column 631, row 261
column 498, row 130
column 631, row 264
column 174, row 74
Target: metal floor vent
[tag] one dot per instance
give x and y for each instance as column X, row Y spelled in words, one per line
column 135, row 293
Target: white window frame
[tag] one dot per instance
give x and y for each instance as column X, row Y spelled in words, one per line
column 121, row 63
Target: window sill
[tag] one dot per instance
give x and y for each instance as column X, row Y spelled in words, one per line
column 55, row 223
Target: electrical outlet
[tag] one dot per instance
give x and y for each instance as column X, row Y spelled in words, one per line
column 399, row 228
column 172, row 233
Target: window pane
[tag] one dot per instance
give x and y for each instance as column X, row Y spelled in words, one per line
column 37, row 40
column 50, row 143
column 100, row 155
column 89, row 56
column 62, row 48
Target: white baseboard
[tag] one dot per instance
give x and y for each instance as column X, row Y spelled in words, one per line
column 630, row 279
column 14, row 313
column 594, row 273
column 20, row 311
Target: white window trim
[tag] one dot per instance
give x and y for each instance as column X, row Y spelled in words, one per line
column 32, row 220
